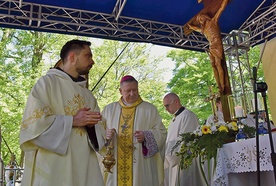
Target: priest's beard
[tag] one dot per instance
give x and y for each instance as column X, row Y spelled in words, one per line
column 81, row 69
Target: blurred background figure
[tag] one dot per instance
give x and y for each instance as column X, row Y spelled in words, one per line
column 251, row 121
column 218, row 115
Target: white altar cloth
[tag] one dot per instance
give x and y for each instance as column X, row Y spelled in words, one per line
column 236, row 163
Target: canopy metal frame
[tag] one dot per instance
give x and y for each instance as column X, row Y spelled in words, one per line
column 260, row 26
column 24, row 15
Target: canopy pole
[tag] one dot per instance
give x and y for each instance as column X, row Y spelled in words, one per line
column 109, row 67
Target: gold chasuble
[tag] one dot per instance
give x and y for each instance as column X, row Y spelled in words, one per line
column 137, row 164
column 125, row 143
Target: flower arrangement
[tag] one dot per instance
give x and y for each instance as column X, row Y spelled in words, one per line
column 205, row 140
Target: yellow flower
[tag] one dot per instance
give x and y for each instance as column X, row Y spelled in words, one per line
column 206, row 129
column 234, row 125
column 235, row 128
column 223, row 128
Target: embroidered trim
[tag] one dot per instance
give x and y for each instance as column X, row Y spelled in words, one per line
column 37, row 114
column 70, row 109
column 150, row 144
column 74, row 105
column 125, row 148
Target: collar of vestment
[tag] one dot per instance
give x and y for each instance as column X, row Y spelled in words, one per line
column 137, row 102
column 178, row 112
column 78, row 79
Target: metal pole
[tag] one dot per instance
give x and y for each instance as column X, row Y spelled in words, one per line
column 110, row 66
column 1, row 161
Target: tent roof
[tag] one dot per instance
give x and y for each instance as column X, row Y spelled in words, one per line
column 153, row 21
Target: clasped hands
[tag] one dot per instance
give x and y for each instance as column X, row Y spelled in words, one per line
column 139, row 135
column 86, row 117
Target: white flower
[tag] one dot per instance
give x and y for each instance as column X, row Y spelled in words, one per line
column 213, row 128
column 229, row 125
column 199, row 133
column 221, row 123
column 188, row 144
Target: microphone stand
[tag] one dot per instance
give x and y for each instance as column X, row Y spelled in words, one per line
column 262, row 87
column 256, row 124
column 273, row 155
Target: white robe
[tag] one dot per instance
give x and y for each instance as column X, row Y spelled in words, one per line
column 55, row 152
column 219, row 114
column 146, row 171
column 250, row 121
column 186, row 121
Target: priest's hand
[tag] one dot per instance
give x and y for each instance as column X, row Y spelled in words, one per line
column 86, row 117
column 139, row 134
column 110, row 133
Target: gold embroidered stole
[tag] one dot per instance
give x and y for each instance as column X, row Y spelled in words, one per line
column 125, row 143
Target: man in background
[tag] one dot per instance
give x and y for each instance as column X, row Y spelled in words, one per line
column 218, row 115
column 183, row 121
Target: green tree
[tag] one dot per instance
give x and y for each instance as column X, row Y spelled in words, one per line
column 136, row 61
column 26, row 55
column 193, row 75
column 22, row 63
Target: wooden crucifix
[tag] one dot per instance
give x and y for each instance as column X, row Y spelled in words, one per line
column 206, row 23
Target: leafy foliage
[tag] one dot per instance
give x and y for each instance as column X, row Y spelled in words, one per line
column 193, row 75
column 136, row 61
column 204, row 142
column 26, row 55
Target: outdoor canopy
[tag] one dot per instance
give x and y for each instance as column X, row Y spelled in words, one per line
column 152, row 21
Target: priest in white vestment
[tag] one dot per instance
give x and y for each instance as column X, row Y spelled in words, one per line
column 136, row 130
column 183, row 121
column 251, row 121
column 59, row 132
column 218, row 115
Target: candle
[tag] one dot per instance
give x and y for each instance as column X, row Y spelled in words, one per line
column 238, row 111
column 258, row 104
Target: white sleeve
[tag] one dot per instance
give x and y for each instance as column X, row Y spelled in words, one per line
column 56, row 137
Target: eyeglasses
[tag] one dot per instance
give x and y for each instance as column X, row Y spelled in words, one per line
column 167, row 105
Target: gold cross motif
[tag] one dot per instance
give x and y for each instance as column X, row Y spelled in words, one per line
column 124, row 127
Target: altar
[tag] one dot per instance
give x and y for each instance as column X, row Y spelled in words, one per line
column 236, row 163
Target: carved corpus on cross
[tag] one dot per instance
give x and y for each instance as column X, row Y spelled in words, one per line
column 206, row 23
